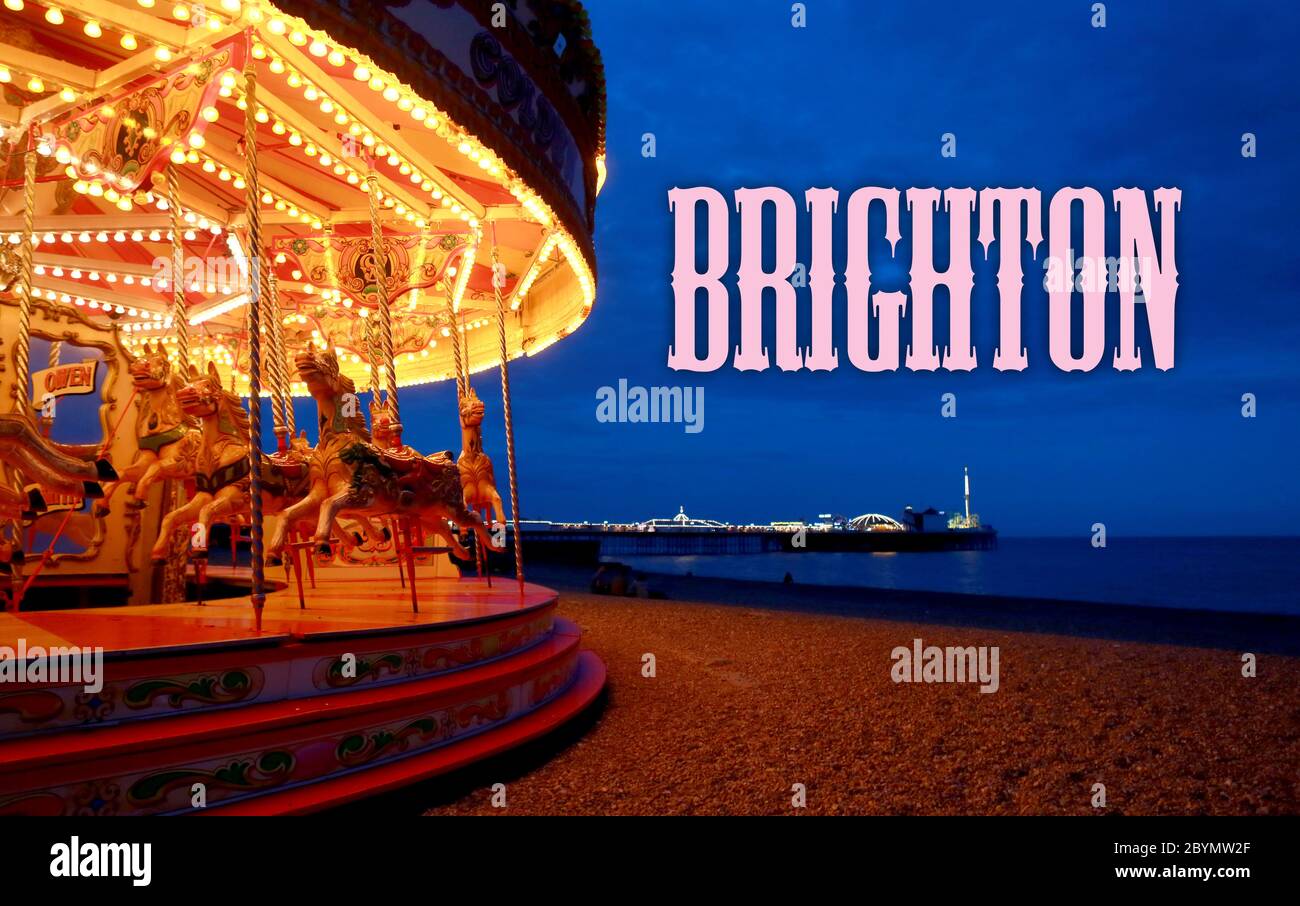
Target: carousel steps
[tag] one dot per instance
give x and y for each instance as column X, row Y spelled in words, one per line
column 586, row 687
column 299, row 754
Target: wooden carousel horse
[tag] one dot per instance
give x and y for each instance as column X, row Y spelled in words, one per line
column 166, row 438
column 68, row 469
column 391, row 479
column 342, row 423
column 476, row 475
column 221, row 479
column 65, row 471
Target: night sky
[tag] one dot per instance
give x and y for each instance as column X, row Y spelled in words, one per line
column 1036, row 97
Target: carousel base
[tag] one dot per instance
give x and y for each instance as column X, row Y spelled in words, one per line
column 350, row 696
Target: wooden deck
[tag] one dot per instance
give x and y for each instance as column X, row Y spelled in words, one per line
column 346, row 600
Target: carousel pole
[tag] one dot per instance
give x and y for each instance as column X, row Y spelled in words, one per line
column 505, row 407
column 275, row 360
column 253, row 195
column 455, row 351
column 22, row 342
column 180, row 321
column 385, row 326
column 282, row 355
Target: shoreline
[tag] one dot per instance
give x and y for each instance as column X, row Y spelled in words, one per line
column 1232, row 630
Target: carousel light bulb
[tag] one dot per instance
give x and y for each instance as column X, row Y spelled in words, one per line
column 180, row 11
column 310, row 93
column 295, row 139
column 224, row 175
column 376, row 83
column 54, row 16
column 137, row 236
column 318, row 48
column 294, row 80
column 277, row 65
column 147, row 4
column 162, row 53
column 297, row 38
column 278, row 127
column 262, row 116
column 276, row 26
column 35, row 85
column 214, row 23
column 15, row 5
column 155, row 235
column 418, row 113
column 67, row 95
column 211, row 114
column 178, row 156
column 5, row 74
column 391, row 94
column 230, row 6
column 128, row 41
column 209, row 166
column 93, row 29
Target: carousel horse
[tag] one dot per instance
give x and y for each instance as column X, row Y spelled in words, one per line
column 71, row 469
column 391, row 479
column 341, row 424
column 166, row 438
column 221, row 480
column 476, row 475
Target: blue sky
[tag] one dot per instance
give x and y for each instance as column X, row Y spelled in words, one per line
column 1036, row 97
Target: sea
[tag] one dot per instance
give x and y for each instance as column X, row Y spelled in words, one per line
column 1239, row 574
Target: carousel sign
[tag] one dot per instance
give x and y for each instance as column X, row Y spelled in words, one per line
column 64, row 380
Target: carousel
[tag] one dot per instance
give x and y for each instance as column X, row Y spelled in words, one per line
column 232, row 236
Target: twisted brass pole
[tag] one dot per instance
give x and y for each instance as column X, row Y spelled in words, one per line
column 385, row 326
column 505, row 406
column 283, row 356
column 22, row 342
column 255, row 257
column 455, row 351
column 180, row 321
column 275, row 357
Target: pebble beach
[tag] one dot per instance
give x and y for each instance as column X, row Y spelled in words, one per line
column 747, row 701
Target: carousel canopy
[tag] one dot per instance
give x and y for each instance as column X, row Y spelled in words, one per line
column 472, row 132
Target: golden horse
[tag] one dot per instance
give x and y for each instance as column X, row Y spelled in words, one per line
column 166, row 438
column 476, row 475
column 342, row 423
column 68, row 470
column 391, row 479
column 222, row 481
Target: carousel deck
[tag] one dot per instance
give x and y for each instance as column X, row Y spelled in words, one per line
column 201, row 712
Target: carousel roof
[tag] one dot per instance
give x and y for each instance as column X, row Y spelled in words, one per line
column 483, row 143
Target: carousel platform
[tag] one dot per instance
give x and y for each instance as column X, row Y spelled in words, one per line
column 351, row 695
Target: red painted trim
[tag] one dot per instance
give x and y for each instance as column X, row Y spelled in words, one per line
column 402, row 772
column 53, row 759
